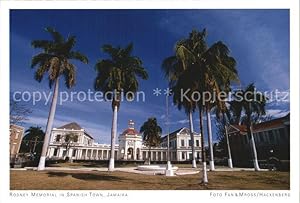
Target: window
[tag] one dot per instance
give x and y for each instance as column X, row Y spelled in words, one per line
column 17, row 136
column 261, row 136
column 282, row 134
column 174, row 155
column 182, row 155
column 74, row 153
column 271, row 136
column 197, row 143
column 57, row 139
column 64, row 153
column 190, row 143
column 55, row 152
column 182, row 143
column 256, row 137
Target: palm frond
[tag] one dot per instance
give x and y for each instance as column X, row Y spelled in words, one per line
column 78, row 56
column 57, row 37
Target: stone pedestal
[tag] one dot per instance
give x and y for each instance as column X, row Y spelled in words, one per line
column 169, row 170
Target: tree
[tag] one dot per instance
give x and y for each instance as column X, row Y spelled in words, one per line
column 18, row 112
column 116, row 75
column 180, row 77
column 69, row 140
column 32, row 141
column 252, row 104
column 214, row 70
column 218, row 72
column 55, row 60
column 151, row 134
column 223, row 120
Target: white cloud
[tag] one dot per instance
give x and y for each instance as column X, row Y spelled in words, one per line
column 277, row 113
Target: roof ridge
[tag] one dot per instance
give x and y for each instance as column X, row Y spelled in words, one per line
column 71, row 125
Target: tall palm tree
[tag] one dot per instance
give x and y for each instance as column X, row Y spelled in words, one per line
column 218, row 72
column 224, row 118
column 215, row 69
column 177, row 71
column 151, row 134
column 55, row 59
column 251, row 103
column 184, row 83
column 116, row 75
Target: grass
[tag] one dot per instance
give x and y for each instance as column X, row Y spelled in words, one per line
column 94, row 180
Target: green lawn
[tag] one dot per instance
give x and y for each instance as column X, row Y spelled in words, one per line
column 76, row 180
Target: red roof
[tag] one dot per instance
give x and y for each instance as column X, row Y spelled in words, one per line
column 265, row 125
column 130, row 131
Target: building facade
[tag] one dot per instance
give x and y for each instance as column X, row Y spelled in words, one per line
column 272, row 139
column 130, row 145
column 16, row 135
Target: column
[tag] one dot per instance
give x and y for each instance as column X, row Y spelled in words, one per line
column 140, row 154
column 79, row 153
column 92, row 154
column 97, row 154
column 125, row 153
column 101, row 154
column 85, row 154
column 134, row 153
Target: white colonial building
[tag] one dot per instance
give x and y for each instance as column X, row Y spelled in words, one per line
column 130, row 145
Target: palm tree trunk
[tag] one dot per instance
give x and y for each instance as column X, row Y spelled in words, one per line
column 42, row 161
column 228, row 148
column 252, row 142
column 192, row 139
column 203, row 154
column 227, row 142
column 210, row 144
column 113, row 137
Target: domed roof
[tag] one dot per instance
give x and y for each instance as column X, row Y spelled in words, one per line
column 130, row 131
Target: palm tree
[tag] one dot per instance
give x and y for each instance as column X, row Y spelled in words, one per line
column 115, row 76
column 224, row 118
column 251, row 103
column 55, row 59
column 184, row 83
column 151, row 134
column 214, row 70
column 33, row 141
column 218, row 72
column 179, row 80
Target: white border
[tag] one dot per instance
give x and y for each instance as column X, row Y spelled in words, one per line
column 141, row 196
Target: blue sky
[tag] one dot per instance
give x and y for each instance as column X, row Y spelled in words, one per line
column 258, row 40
